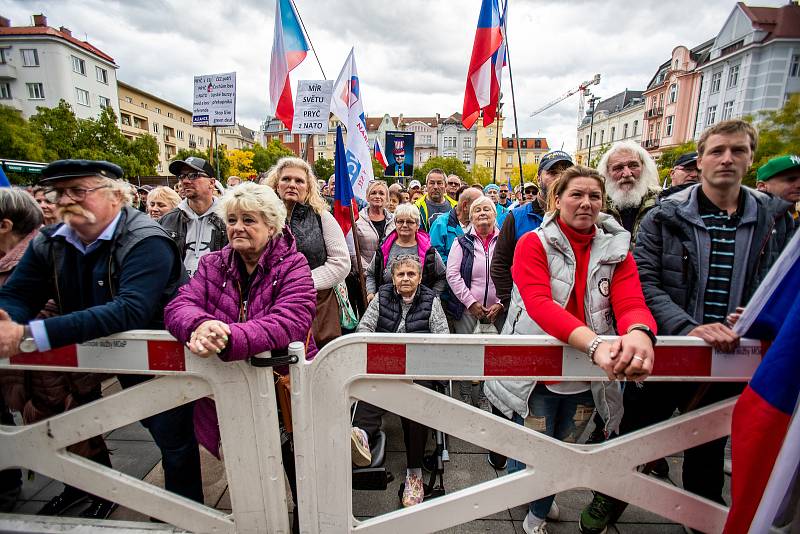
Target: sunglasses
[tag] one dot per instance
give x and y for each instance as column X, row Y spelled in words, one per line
column 192, row 176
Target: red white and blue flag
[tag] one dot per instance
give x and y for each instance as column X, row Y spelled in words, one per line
column 345, row 210
column 762, row 415
column 485, row 66
column 379, row 155
column 289, row 49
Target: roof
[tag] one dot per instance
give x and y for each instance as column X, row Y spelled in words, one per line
column 52, row 32
column 373, row 123
column 531, row 142
column 778, row 22
column 432, row 122
column 246, row 132
column 617, row 103
column 699, row 54
column 152, row 96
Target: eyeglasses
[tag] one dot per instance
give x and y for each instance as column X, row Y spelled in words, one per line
column 76, row 194
column 405, row 222
column 454, row 184
column 192, row 176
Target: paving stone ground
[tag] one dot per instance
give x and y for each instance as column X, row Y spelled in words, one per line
column 134, row 453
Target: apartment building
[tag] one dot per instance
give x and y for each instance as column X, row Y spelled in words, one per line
column 40, row 65
column 617, row 118
column 142, row 113
column 455, row 141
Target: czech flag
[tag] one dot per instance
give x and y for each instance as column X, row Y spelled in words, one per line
column 483, row 87
column 762, row 415
column 379, row 156
column 289, row 49
column 345, row 209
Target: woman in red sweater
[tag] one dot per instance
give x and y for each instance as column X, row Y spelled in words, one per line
column 576, row 280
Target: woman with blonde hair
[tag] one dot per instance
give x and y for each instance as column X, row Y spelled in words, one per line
column 161, row 200
column 308, row 217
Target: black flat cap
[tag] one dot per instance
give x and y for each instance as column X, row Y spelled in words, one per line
column 198, row 164
column 65, row 169
column 690, row 158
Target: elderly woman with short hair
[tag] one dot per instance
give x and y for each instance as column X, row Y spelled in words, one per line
column 161, row 200
column 254, row 295
column 406, row 239
column 318, row 236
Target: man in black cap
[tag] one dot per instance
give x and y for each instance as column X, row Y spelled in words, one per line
column 683, row 174
column 194, row 226
column 108, row 268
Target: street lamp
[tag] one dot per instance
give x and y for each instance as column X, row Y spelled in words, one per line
column 592, row 101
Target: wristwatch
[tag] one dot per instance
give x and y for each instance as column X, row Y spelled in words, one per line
column 27, row 343
column 646, row 329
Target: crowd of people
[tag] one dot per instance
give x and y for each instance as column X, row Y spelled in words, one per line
column 234, row 271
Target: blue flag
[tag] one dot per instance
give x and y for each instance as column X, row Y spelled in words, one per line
column 3, row 178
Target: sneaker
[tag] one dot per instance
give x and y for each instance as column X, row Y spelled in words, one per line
column 63, row 501
column 601, row 512
column 534, row 525
column 497, row 461
column 359, row 447
column 414, row 490
column 554, row 514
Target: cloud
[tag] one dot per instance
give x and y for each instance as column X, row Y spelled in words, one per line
column 412, row 56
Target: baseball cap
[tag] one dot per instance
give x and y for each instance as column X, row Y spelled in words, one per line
column 193, row 162
column 690, row 158
column 414, row 183
column 777, row 166
column 529, row 185
column 64, row 169
column 553, row 157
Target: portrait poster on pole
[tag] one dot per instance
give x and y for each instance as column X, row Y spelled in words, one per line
column 400, row 154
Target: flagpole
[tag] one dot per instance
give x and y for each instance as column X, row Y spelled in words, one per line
column 361, row 280
column 309, row 39
column 496, row 140
column 514, row 107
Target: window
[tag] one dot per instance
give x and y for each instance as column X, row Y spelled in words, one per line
column 35, row 91
column 169, row 114
column 449, row 142
column 467, row 159
column 82, row 96
column 78, row 65
column 180, row 135
column 155, row 127
column 727, row 110
column 129, row 100
column 125, row 119
column 661, row 100
column 669, row 122
column 489, row 163
column 594, row 138
column 510, row 160
column 711, row 115
column 536, row 158
column 202, row 141
column 794, row 69
column 635, row 127
column 101, row 74
column 613, row 133
column 157, row 110
column 733, row 76
column 322, row 140
column 30, row 57
column 103, row 101
column 490, row 131
column 191, row 138
column 287, row 138
column 716, row 80
column 4, row 55
column 587, row 141
column 625, row 130
column 5, row 91
column 675, row 65
column 426, row 139
column 673, row 93
column 653, row 102
column 580, row 144
column 467, row 142
column 602, row 136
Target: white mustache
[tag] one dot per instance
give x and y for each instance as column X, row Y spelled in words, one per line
column 69, row 211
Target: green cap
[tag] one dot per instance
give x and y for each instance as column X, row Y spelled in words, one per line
column 776, row 166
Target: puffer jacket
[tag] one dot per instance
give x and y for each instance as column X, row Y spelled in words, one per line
column 368, row 238
column 672, row 255
column 609, row 247
column 278, row 310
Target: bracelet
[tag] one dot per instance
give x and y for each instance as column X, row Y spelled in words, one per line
column 593, row 347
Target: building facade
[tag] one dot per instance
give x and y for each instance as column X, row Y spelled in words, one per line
column 617, row 118
column 141, row 113
column 455, row 141
column 273, row 129
column 40, row 65
column 671, row 99
column 426, row 137
column 236, row 137
column 753, row 64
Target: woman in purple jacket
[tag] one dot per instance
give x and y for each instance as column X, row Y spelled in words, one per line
column 254, row 295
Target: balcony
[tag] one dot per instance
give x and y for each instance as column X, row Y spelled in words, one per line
column 169, row 139
column 8, row 72
column 651, row 143
column 655, row 112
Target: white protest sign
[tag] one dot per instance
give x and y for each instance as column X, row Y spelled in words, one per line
column 312, row 107
column 214, row 100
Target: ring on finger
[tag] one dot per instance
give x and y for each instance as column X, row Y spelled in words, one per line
column 637, row 357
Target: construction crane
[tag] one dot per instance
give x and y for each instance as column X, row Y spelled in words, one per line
column 583, row 88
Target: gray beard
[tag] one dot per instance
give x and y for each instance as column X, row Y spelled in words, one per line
column 626, row 199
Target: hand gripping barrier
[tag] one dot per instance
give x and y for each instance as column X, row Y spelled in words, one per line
column 245, row 399
column 378, row 368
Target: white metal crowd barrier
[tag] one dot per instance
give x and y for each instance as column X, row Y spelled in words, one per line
column 245, row 399
column 378, row 368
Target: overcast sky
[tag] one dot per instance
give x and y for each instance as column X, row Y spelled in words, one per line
column 412, row 56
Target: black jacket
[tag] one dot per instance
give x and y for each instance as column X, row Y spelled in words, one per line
column 176, row 221
column 418, row 316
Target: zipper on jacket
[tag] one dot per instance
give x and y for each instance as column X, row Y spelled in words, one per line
column 486, row 287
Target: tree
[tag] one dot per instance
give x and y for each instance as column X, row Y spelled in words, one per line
column 449, row 165
column 599, row 153
column 324, row 168
column 778, row 135
column 241, row 163
column 18, row 140
column 265, row 157
column 530, row 173
column 58, row 129
column 480, row 175
column 667, row 158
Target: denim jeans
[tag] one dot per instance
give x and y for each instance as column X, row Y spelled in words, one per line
column 563, row 417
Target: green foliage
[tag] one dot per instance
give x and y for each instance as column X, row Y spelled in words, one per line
column 377, row 172
column 481, row 175
column 324, row 168
column 778, row 135
column 18, row 141
column 58, row 128
column 667, row 158
column 448, row 164
column 265, row 157
column 597, row 154
column 530, row 173
column 220, row 152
